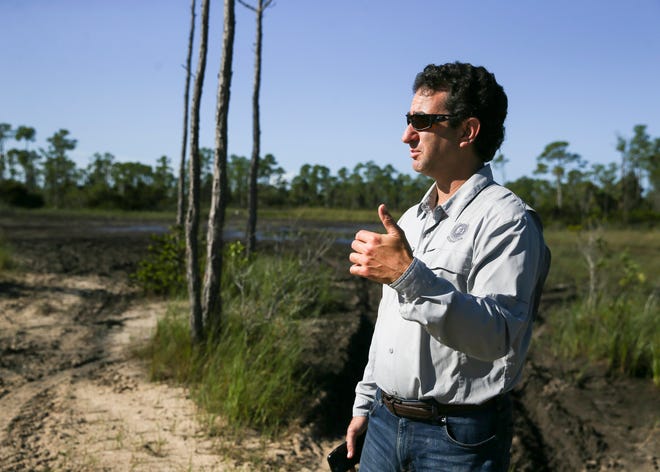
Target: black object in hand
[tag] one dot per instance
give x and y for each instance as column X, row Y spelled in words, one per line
column 338, row 460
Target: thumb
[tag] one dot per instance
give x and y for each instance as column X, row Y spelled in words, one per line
column 388, row 222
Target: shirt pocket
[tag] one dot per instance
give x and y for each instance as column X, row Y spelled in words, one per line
column 452, row 265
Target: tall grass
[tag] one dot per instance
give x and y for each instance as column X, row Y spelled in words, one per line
column 624, row 332
column 615, row 316
column 252, row 374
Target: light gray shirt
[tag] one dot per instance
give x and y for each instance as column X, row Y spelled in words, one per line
column 457, row 324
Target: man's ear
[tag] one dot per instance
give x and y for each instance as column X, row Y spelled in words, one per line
column 471, row 128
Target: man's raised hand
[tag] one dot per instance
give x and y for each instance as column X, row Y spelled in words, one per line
column 379, row 257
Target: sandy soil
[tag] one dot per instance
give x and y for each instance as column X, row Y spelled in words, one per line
column 73, row 397
column 72, row 394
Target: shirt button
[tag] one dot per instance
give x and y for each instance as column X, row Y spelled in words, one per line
column 391, row 351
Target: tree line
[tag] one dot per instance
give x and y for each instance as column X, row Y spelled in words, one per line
column 625, row 191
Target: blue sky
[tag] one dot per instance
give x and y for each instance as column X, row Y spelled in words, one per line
column 336, row 78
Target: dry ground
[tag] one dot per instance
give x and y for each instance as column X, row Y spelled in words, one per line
column 73, row 397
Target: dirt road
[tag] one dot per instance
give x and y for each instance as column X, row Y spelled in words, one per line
column 72, row 394
column 73, row 397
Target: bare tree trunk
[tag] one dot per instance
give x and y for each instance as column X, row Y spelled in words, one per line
column 211, row 298
column 590, row 249
column 192, row 221
column 5, row 132
column 251, row 238
column 625, row 196
column 559, row 195
column 181, row 189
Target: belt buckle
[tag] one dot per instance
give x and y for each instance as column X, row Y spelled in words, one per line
column 393, row 403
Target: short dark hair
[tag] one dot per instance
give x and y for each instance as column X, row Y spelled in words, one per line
column 471, row 91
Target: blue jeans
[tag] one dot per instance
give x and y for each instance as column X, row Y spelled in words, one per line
column 472, row 441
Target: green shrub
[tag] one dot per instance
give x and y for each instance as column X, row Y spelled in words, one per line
column 17, row 194
column 252, row 374
column 163, row 270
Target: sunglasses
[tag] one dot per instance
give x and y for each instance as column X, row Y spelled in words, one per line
column 423, row 121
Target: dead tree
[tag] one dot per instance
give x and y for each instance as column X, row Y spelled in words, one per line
column 251, row 238
column 181, row 188
column 192, row 220
column 211, row 298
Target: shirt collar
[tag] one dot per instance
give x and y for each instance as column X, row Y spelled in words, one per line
column 461, row 199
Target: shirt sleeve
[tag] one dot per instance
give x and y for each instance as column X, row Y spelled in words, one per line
column 483, row 322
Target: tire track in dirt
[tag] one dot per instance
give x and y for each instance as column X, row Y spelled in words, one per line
column 50, row 332
column 73, row 398
column 22, row 448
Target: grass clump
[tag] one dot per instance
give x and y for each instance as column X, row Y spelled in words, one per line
column 170, row 353
column 623, row 331
column 252, row 374
column 615, row 318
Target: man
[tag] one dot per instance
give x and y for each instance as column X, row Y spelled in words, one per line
column 462, row 272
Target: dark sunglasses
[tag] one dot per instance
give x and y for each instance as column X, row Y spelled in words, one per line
column 423, row 121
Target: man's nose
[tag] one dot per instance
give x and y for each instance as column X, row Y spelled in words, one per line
column 409, row 134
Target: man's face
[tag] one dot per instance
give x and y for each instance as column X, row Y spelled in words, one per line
column 433, row 150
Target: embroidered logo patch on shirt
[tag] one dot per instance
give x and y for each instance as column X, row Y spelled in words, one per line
column 457, row 232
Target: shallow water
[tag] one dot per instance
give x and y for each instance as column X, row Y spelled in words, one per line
column 341, row 234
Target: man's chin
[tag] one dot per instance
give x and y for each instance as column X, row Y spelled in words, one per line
column 419, row 167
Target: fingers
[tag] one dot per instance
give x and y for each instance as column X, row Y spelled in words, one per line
column 350, row 446
column 362, row 255
column 366, row 241
column 361, row 238
column 357, row 257
column 359, row 261
column 366, row 236
column 357, row 426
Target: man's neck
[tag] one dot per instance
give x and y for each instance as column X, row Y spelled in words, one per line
column 447, row 187
column 455, row 173
column 446, row 190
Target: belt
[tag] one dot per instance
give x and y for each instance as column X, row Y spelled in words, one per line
column 431, row 410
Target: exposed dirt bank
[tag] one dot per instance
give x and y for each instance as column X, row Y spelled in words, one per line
column 73, row 397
